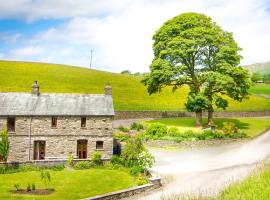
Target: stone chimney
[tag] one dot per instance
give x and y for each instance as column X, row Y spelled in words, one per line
column 108, row 89
column 35, row 88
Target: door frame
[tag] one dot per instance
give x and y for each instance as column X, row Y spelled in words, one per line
column 38, row 157
column 80, row 145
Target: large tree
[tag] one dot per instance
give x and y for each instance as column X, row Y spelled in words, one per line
column 192, row 50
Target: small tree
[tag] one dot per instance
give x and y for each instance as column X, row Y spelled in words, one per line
column 45, row 177
column 256, row 77
column 4, row 145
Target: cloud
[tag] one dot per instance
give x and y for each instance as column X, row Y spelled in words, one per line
column 120, row 31
column 27, row 51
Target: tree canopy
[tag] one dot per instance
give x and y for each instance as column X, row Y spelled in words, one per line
column 192, row 50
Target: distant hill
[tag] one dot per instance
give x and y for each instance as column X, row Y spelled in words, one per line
column 128, row 92
column 262, row 68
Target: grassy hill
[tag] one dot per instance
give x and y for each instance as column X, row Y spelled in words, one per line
column 128, row 92
column 259, row 67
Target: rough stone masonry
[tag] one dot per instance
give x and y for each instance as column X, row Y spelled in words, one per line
column 55, row 126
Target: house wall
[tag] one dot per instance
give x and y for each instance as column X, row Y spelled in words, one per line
column 60, row 141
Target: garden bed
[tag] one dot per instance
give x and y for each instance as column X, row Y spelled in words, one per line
column 34, row 192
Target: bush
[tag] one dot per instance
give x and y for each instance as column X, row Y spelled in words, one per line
column 136, row 126
column 146, row 160
column 173, row 132
column 96, row 158
column 123, row 129
column 122, row 136
column 142, row 180
column 156, row 130
column 28, row 187
column 33, row 186
column 131, row 151
column 135, row 170
column 230, row 128
column 70, row 160
column 84, row 165
column 116, row 160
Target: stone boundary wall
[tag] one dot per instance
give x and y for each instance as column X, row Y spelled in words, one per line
column 154, row 184
column 172, row 114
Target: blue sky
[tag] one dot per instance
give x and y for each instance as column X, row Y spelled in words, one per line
column 119, row 31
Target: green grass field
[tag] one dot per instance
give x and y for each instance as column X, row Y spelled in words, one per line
column 251, row 126
column 128, row 92
column 68, row 184
column 260, row 89
column 255, row 187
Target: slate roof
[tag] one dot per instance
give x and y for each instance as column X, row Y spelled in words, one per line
column 27, row 104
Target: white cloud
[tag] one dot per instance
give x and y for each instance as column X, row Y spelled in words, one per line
column 121, row 38
column 27, row 51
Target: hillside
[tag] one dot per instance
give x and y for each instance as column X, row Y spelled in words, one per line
column 128, row 92
column 259, row 67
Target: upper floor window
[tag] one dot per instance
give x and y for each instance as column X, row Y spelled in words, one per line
column 11, row 124
column 54, row 122
column 83, row 122
column 99, row 145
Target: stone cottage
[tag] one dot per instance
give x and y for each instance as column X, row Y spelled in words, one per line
column 53, row 126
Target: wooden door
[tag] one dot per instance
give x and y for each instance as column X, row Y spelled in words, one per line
column 39, row 150
column 82, row 149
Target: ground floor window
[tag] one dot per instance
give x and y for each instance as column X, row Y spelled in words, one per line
column 99, row 145
column 82, row 149
column 39, row 150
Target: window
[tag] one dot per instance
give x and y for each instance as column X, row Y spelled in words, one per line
column 99, row 145
column 39, row 150
column 54, row 122
column 83, row 122
column 11, row 124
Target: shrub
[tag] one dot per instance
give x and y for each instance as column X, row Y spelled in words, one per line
column 84, row 165
column 136, row 126
column 156, row 130
column 4, row 145
column 17, row 186
column 96, row 158
column 230, row 128
column 142, row 180
column 146, row 160
column 70, row 160
column 116, row 160
column 131, row 151
column 122, row 136
column 123, row 129
column 173, row 132
column 28, row 187
column 33, row 186
column 45, row 177
column 135, row 170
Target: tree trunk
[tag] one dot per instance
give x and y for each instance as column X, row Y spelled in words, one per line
column 199, row 119
column 210, row 115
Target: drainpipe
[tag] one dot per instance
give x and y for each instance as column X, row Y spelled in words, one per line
column 30, row 132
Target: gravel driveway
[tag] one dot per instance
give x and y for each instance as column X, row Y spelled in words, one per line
column 206, row 171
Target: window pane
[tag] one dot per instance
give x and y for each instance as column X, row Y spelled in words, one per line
column 54, row 122
column 11, row 124
column 99, row 145
column 83, row 122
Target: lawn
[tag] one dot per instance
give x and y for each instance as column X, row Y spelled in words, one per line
column 128, row 91
column 69, row 184
column 260, row 89
column 251, row 126
column 255, row 187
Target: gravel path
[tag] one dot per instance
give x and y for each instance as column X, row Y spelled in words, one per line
column 206, row 171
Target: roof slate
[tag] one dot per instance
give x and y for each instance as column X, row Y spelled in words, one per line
column 27, row 104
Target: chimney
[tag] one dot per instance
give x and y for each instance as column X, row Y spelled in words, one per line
column 35, row 88
column 108, row 89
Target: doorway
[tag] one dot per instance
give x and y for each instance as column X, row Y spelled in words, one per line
column 39, row 150
column 82, row 149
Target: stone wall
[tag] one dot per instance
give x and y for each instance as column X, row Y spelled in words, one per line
column 60, row 141
column 172, row 114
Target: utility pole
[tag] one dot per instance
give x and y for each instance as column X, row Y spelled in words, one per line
column 91, row 56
